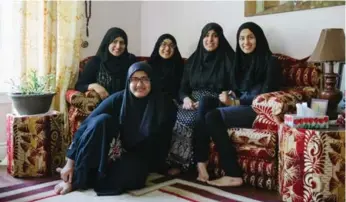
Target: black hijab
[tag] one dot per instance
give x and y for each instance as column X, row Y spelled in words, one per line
column 209, row 70
column 140, row 116
column 169, row 71
column 250, row 69
column 114, row 65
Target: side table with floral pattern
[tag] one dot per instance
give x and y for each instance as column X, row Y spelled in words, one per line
column 36, row 144
column 311, row 164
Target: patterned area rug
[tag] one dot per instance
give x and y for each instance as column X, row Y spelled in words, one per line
column 159, row 188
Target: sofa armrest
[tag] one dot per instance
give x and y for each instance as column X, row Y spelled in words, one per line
column 84, row 102
column 276, row 103
column 271, row 108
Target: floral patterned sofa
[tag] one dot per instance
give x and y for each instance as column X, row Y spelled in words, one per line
column 257, row 147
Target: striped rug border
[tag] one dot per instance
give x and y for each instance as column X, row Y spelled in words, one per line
column 195, row 188
column 29, row 191
column 191, row 191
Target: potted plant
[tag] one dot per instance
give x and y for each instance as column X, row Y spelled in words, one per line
column 33, row 94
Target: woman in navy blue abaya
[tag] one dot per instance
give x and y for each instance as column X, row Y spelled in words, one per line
column 122, row 140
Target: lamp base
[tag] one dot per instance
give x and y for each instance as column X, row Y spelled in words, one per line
column 333, row 97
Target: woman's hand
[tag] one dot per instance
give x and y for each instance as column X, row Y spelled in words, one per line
column 224, row 98
column 188, row 104
column 66, row 173
column 99, row 90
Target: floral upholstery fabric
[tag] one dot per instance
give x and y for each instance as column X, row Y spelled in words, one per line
column 311, row 164
column 80, row 105
column 299, row 72
column 271, row 107
column 257, row 156
column 36, row 144
column 257, row 147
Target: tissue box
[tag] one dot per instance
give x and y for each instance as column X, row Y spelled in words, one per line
column 295, row 121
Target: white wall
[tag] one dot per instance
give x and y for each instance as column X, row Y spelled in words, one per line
column 107, row 14
column 293, row 33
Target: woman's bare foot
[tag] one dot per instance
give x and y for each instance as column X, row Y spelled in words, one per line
column 173, row 171
column 227, row 181
column 203, row 175
column 63, row 188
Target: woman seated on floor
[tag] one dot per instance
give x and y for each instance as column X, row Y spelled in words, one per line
column 105, row 73
column 255, row 71
column 206, row 73
column 167, row 64
column 122, row 140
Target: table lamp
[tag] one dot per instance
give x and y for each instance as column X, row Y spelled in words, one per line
column 330, row 49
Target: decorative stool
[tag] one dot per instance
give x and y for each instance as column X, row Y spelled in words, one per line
column 311, row 164
column 36, row 144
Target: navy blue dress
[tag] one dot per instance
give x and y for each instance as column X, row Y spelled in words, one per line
column 116, row 147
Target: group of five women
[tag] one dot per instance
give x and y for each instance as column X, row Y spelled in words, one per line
column 159, row 115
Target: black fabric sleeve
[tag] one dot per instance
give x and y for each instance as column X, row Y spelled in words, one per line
column 185, row 87
column 273, row 79
column 110, row 105
column 178, row 80
column 88, row 75
column 272, row 82
column 247, row 97
column 162, row 140
column 132, row 59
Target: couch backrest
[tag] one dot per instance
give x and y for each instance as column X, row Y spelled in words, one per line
column 299, row 73
column 296, row 73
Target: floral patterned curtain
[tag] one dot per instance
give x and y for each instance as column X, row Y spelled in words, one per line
column 48, row 39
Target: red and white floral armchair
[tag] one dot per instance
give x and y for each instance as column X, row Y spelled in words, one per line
column 258, row 147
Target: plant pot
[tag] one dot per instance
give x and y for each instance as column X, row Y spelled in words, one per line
column 29, row 104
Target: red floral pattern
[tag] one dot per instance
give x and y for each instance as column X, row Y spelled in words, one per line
column 311, row 164
column 36, row 144
column 256, row 155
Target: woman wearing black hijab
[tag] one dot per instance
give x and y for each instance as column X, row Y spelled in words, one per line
column 255, row 71
column 105, row 73
column 206, row 74
column 167, row 64
column 122, row 140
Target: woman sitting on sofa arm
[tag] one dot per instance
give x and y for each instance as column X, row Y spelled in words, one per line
column 255, row 71
column 105, row 73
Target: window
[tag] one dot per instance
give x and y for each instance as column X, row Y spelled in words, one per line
column 7, row 54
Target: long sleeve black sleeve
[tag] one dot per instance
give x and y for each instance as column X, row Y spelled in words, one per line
column 274, row 76
column 272, row 82
column 185, row 88
column 88, row 75
column 178, row 81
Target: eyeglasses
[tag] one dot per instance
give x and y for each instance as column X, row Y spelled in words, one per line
column 169, row 45
column 136, row 80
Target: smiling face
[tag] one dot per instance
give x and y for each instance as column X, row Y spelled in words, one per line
column 211, row 41
column 140, row 85
column 247, row 41
column 166, row 49
column 117, row 47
